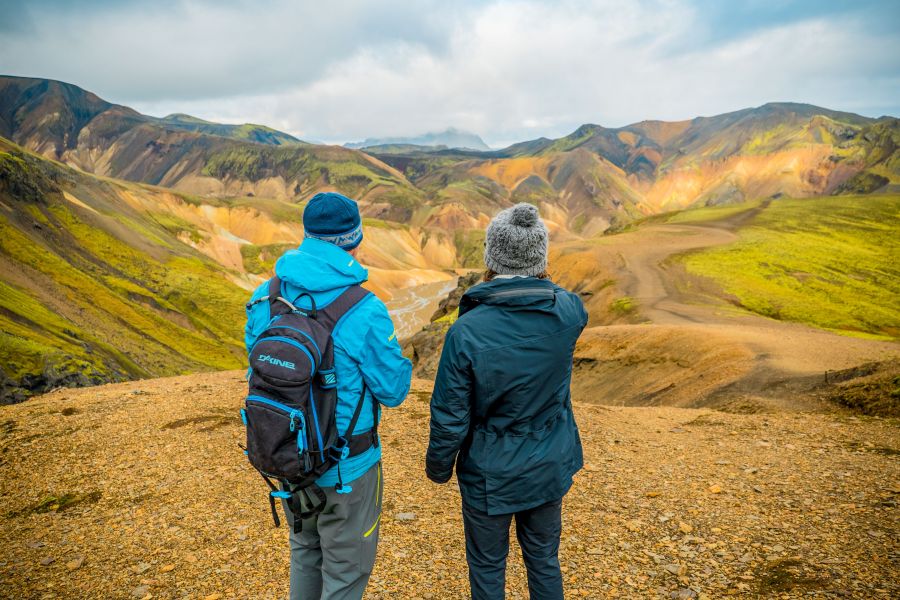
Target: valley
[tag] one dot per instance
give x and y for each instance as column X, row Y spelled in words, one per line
column 719, row 258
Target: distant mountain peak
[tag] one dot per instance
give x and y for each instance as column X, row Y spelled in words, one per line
column 186, row 118
column 451, row 137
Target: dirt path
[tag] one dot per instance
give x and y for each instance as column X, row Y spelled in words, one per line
column 159, row 502
column 776, row 351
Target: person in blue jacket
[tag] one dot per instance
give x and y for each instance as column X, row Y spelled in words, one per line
column 332, row 557
column 502, row 410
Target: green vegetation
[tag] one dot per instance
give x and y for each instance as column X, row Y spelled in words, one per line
column 260, row 260
column 863, row 183
column 448, row 319
column 85, row 302
column 708, row 213
column 22, row 179
column 828, row 262
column 623, row 306
column 469, row 247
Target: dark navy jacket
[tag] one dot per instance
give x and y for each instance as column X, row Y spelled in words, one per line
column 501, row 408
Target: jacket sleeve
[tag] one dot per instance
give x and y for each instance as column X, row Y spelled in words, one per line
column 386, row 371
column 451, row 408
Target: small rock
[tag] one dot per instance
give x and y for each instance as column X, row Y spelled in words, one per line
column 675, row 569
column 140, row 591
column 684, row 527
column 683, row 594
column 595, row 551
column 653, row 494
column 213, row 596
column 715, row 489
column 167, row 568
column 141, row 568
column 75, row 563
column 405, row 516
column 48, row 560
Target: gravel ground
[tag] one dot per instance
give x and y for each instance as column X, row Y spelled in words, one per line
column 139, row 490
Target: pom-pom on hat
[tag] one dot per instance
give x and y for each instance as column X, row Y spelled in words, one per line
column 333, row 218
column 516, row 242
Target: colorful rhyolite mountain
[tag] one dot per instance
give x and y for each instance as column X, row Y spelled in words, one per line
column 584, row 183
column 145, row 274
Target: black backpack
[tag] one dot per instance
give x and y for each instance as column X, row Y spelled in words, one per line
column 292, row 437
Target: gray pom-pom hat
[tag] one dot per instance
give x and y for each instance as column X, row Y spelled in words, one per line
column 516, row 242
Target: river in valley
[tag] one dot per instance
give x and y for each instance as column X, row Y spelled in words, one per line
column 412, row 307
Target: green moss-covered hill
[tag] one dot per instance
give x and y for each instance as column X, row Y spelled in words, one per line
column 829, row 262
column 94, row 290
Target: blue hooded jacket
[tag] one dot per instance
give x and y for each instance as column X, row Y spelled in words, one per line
column 365, row 344
column 501, row 408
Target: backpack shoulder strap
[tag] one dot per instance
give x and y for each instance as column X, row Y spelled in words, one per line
column 340, row 306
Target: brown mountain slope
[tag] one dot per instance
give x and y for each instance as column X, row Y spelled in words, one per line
column 661, row 335
column 138, row 490
column 650, row 167
column 64, row 122
column 105, row 280
column 583, row 182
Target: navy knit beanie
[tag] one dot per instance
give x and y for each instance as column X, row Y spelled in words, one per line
column 333, row 218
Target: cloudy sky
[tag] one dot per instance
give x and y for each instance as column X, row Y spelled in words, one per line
column 508, row 70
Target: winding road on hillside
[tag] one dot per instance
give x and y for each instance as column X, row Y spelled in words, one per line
column 776, row 353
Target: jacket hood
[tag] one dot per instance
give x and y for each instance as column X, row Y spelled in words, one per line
column 319, row 266
column 516, row 294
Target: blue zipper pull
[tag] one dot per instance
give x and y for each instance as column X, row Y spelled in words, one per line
column 293, row 416
column 301, row 435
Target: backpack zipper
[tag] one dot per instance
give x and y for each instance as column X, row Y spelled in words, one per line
column 301, row 332
column 296, row 416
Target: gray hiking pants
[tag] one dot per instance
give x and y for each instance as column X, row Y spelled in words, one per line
column 332, row 557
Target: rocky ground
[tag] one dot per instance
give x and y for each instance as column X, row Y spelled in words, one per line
column 139, row 490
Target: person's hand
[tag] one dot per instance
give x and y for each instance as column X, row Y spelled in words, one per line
column 436, row 476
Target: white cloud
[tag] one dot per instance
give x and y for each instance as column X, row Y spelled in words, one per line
column 508, row 70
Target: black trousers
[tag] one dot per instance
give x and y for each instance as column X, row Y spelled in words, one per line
column 487, row 546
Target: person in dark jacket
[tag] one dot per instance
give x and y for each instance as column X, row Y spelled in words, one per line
column 502, row 410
